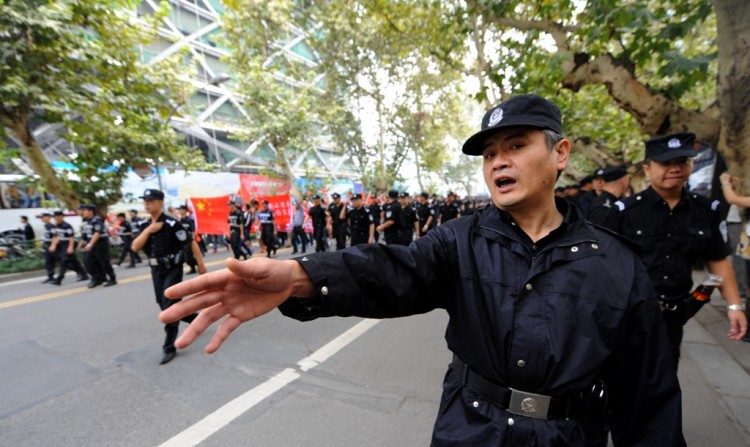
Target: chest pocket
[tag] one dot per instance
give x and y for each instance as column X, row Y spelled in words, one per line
column 641, row 236
column 699, row 237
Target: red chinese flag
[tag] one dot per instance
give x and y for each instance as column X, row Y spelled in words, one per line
column 210, row 214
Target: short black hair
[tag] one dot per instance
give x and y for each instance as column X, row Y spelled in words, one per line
column 24, row 218
column 121, row 215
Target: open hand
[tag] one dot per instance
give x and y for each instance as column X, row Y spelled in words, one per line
column 242, row 291
column 737, row 324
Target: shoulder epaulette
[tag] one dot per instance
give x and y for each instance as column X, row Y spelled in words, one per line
column 628, row 242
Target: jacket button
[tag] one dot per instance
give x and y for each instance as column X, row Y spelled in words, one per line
column 529, row 287
column 574, row 249
column 594, row 246
column 666, row 276
column 638, row 232
column 521, row 363
column 511, row 421
column 324, row 291
column 475, row 404
column 637, row 197
column 304, row 259
column 700, row 233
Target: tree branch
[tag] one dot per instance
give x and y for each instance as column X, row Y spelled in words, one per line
column 554, row 29
column 656, row 113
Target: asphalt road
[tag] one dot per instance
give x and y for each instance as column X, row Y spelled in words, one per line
column 79, row 367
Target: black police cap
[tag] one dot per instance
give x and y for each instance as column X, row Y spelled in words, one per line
column 404, row 194
column 425, row 195
column 45, row 213
column 152, row 194
column 393, row 194
column 612, row 173
column 586, row 180
column 87, row 206
column 316, row 197
column 336, row 195
column 670, row 146
column 58, row 213
column 182, row 207
column 357, row 197
column 518, row 111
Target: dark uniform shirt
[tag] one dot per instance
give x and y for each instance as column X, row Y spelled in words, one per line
column 91, row 226
column 64, row 231
column 335, row 212
column 235, row 220
column 448, row 211
column 583, row 201
column 424, row 211
column 28, row 232
column 392, row 212
column 359, row 224
column 169, row 240
column 600, row 211
column 265, row 217
column 407, row 218
column 318, row 215
column 549, row 317
column 137, row 222
column 672, row 240
column 125, row 229
column 375, row 211
column 189, row 225
column 47, row 235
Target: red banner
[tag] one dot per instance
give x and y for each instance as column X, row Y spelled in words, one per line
column 210, row 214
column 282, row 210
column 255, row 186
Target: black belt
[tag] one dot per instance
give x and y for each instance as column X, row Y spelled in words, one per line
column 516, row 401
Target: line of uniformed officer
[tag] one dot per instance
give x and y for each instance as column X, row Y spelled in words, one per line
column 361, row 226
column 164, row 240
column 236, row 221
column 63, row 245
column 95, row 245
column 318, row 215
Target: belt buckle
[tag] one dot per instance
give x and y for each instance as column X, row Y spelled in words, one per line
column 528, row 404
column 667, row 306
column 153, row 262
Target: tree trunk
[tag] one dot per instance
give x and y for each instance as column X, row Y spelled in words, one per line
column 285, row 168
column 733, row 30
column 47, row 176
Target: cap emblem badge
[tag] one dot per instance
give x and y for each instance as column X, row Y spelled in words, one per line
column 673, row 143
column 495, row 117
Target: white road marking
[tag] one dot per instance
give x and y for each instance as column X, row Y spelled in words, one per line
column 201, row 430
column 24, row 281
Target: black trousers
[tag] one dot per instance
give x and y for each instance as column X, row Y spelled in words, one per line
column 339, row 233
column 298, row 232
column 49, row 260
column 319, row 233
column 266, row 234
column 239, row 250
column 67, row 262
column 97, row 262
column 674, row 321
column 164, row 278
column 127, row 243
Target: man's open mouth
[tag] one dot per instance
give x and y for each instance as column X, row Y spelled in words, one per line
column 504, row 182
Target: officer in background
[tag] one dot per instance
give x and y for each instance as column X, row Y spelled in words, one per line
column 247, row 226
column 318, row 215
column 135, row 225
column 673, row 229
column 125, row 231
column 375, row 212
column 95, row 246
column 409, row 222
column 236, row 220
column 49, row 255
column 449, row 209
column 425, row 214
column 360, row 221
column 391, row 226
column 336, row 227
column 267, row 229
column 542, row 306
column 616, row 184
column 586, row 194
column 189, row 225
column 164, row 240
column 63, row 245
column 298, row 233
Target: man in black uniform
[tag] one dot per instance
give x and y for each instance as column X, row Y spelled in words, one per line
column 616, row 184
column 375, row 211
column 135, row 225
column 586, row 194
column 28, row 232
column 542, row 305
column 360, row 221
column 391, row 227
column 236, row 221
column 95, row 245
column 336, row 227
column 49, row 255
column 163, row 239
column 267, row 228
column 318, row 215
column 63, row 245
column 449, row 210
column 125, row 231
column 674, row 228
column 189, row 225
column 425, row 214
column 409, row 222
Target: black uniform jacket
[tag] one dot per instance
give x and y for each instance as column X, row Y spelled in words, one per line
column 575, row 306
column 671, row 240
column 599, row 211
column 171, row 239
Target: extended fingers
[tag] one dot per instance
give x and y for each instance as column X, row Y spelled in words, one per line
column 199, row 325
column 213, row 280
column 191, row 305
column 225, row 329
